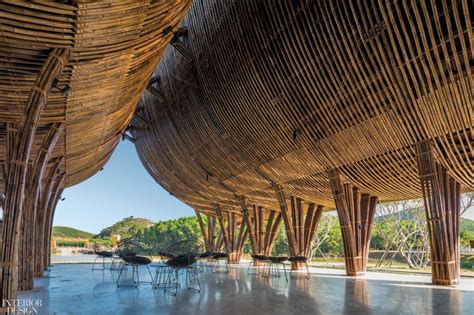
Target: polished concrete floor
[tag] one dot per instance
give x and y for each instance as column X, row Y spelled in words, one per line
column 76, row 289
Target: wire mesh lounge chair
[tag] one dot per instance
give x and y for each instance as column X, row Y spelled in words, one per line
column 134, row 255
column 203, row 259
column 300, row 259
column 162, row 279
column 218, row 258
column 183, row 256
column 258, row 261
column 275, row 265
column 101, row 255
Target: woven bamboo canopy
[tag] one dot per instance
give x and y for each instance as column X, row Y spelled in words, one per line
column 114, row 47
column 71, row 75
column 259, row 93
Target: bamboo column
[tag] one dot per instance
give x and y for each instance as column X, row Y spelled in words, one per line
column 441, row 195
column 17, row 167
column 356, row 212
column 2, row 204
column 262, row 230
column 234, row 232
column 208, row 231
column 300, row 228
column 53, row 201
column 47, row 192
column 29, row 223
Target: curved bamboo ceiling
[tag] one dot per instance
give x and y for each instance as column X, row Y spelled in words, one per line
column 114, row 47
column 282, row 91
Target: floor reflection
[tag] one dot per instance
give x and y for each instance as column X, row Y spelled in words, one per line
column 451, row 301
column 239, row 293
column 356, row 296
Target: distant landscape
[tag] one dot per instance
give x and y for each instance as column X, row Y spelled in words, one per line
column 156, row 236
column 69, row 232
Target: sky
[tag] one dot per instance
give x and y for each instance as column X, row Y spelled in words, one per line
column 124, row 188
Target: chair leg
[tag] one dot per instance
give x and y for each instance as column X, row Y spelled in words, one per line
column 137, row 283
column 308, row 275
column 192, row 279
column 250, row 265
column 175, row 286
column 93, row 264
column 151, row 276
column 284, row 270
column 120, row 275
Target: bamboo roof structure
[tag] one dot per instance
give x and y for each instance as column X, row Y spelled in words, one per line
column 113, row 48
column 258, row 93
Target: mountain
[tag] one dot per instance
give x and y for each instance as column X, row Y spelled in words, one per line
column 68, row 232
column 127, row 228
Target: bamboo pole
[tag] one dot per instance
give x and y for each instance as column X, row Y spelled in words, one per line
column 30, row 222
column 18, row 167
column 300, row 227
column 356, row 212
column 441, row 195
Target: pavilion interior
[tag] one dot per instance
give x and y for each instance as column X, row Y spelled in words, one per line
column 256, row 114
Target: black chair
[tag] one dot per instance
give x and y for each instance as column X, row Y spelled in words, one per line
column 134, row 255
column 162, row 271
column 184, row 256
column 257, row 260
column 217, row 258
column 203, row 258
column 101, row 255
column 117, row 262
column 300, row 259
column 275, row 265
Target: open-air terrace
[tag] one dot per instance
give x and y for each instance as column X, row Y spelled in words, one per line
column 76, row 289
column 208, row 132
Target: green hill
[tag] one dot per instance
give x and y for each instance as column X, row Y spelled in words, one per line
column 127, row 228
column 65, row 231
column 466, row 225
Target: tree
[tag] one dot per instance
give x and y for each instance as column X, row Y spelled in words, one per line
column 467, row 201
column 401, row 228
column 328, row 240
column 165, row 233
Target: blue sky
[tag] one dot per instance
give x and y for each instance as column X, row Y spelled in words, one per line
column 124, row 188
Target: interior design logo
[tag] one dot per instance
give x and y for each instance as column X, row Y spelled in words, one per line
column 22, row 306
